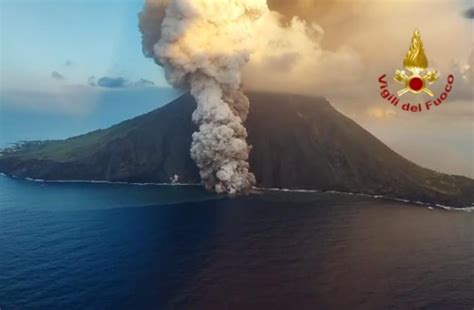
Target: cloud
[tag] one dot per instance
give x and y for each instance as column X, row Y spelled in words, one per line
column 112, row 82
column 118, row 82
column 68, row 63
column 293, row 59
column 469, row 13
column 57, row 76
column 143, row 83
column 340, row 53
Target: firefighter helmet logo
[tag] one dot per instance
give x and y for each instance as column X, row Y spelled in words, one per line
column 416, row 63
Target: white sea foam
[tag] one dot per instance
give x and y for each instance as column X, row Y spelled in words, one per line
column 272, row 189
column 286, row 190
column 35, row 180
column 100, row 182
column 469, row 209
column 402, row 200
column 420, row 203
column 122, row 183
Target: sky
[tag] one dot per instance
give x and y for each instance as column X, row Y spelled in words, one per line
column 68, row 67
column 74, row 38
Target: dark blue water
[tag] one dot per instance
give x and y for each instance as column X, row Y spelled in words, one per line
column 97, row 246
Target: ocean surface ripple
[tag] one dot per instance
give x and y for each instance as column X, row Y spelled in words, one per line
column 111, row 246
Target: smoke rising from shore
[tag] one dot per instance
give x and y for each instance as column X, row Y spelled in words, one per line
column 331, row 52
column 203, row 45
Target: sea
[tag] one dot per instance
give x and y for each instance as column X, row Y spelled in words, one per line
column 118, row 246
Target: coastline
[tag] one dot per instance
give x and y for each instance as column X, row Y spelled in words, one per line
column 381, row 197
column 430, row 206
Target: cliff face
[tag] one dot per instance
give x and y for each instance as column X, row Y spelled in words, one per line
column 298, row 142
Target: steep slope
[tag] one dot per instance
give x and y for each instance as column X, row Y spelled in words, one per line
column 150, row 148
column 298, row 142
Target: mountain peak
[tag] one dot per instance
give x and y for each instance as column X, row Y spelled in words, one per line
column 299, row 142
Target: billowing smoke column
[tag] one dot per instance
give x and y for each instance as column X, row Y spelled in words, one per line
column 203, row 45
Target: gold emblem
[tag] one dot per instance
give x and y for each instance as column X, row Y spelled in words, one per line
column 416, row 63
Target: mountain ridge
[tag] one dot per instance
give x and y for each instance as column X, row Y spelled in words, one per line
column 298, row 142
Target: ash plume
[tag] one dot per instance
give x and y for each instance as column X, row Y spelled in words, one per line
column 203, row 45
column 150, row 20
column 329, row 52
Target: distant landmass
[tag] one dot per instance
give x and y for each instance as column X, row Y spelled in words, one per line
column 298, row 142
